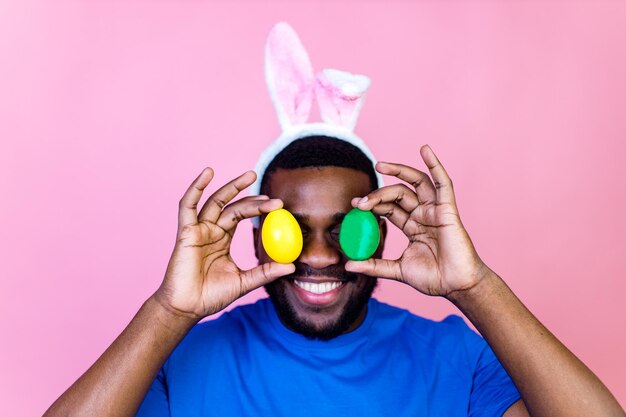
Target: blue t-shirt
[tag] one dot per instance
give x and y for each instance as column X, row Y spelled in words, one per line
column 247, row 363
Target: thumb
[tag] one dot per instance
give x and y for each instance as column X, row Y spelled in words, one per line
column 264, row 274
column 381, row 268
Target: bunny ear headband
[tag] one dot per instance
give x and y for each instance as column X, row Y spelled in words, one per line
column 293, row 87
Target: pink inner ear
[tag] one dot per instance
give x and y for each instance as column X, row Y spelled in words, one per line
column 338, row 106
column 289, row 75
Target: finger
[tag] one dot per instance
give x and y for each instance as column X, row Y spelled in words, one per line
column 264, row 274
column 246, row 208
column 397, row 193
column 393, row 212
column 419, row 180
column 187, row 206
column 381, row 268
column 218, row 200
column 443, row 183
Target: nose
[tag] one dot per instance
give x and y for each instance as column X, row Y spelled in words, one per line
column 320, row 251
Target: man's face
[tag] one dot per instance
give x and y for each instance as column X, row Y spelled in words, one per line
column 320, row 299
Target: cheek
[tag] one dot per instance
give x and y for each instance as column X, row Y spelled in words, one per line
column 364, row 281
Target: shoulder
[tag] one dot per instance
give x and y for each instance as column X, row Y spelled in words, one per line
column 450, row 337
column 233, row 327
column 453, row 325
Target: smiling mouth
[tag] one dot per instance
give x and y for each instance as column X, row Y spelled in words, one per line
column 318, row 288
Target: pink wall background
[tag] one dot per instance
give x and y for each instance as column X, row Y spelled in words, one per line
column 109, row 109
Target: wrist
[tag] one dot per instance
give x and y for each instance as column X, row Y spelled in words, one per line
column 168, row 316
column 484, row 279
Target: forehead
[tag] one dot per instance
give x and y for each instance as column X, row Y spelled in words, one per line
column 318, row 191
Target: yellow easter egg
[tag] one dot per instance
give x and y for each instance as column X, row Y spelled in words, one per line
column 281, row 236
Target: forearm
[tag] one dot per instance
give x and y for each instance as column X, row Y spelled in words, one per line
column 552, row 381
column 116, row 384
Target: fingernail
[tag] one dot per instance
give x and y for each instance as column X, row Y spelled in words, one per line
column 363, row 200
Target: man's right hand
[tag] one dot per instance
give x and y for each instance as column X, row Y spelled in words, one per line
column 201, row 277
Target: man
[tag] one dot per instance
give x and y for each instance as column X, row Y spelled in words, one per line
column 202, row 279
column 321, row 345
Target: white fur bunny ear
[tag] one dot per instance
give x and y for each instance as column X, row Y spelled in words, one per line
column 289, row 76
column 340, row 96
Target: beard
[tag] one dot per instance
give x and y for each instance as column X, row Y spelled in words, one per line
column 331, row 328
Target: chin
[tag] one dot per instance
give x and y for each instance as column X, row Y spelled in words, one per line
column 321, row 321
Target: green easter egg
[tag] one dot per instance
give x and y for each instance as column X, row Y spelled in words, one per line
column 359, row 235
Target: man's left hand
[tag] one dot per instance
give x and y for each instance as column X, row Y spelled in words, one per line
column 440, row 257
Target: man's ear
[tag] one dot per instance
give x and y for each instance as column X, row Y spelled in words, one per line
column 255, row 237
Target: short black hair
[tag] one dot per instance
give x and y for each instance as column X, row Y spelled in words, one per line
column 320, row 151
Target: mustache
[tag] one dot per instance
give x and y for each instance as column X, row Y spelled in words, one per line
column 333, row 271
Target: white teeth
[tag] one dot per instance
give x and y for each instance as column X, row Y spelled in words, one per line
column 320, row 288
